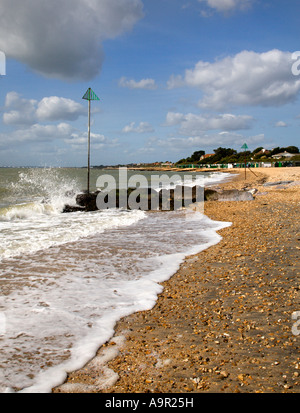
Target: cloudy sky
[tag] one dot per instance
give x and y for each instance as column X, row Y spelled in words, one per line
column 173, row 77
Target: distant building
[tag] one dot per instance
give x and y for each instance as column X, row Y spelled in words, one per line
column 284, row 154
column 263, row 152
column 206, row 156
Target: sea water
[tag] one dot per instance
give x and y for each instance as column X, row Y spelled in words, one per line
column 66, row 279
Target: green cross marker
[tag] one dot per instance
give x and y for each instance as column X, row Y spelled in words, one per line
column 89, row 95
column 245, row 146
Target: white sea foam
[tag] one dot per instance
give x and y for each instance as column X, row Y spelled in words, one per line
column 35, row 230
column 168, row 181
column 28, row 227
column 60, row 304
column 68, row 304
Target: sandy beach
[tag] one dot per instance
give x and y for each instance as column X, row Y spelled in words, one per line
column 223, row 322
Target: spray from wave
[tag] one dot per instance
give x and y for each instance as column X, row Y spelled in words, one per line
column 39, row 191
column 34, row 220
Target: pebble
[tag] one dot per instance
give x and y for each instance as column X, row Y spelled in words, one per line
column 224, row 320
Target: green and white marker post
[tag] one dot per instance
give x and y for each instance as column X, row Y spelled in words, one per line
column 89, row 95
column 245, row 147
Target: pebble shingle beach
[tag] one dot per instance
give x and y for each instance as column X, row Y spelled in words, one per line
column 227, row 320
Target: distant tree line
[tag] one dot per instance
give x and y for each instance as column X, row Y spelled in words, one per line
column 229, row 155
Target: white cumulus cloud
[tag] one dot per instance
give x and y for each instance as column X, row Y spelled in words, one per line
column 63, row 39
column 37, row 133
column 191, row 124
column 57, row 108
column 247, row 79
column 78, row 140
column 42, row 134
column 21, row 111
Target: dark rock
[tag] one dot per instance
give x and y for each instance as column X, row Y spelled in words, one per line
column 166, row 199
column 181, row 196
column 116, row 198
column 228, row 195
column 210, row 194
column 144, row 199
column 72, row 208
column 149, row 199
column 88, row 200
column 278, row 183
column 195, row 193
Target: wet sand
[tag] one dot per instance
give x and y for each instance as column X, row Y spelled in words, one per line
column 223, row 322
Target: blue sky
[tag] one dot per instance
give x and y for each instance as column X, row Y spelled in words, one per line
column 173, row 77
